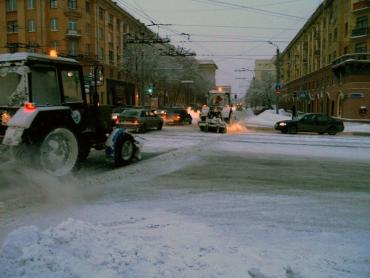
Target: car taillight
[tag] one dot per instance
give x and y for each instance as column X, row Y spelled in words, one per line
column 178, row 117
column 117, row 119
column 135, row 121
column 164, row 116
column 29, row 106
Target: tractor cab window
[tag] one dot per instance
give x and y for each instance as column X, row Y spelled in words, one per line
column 10, row 81
column 44, row 86
column 71, row 86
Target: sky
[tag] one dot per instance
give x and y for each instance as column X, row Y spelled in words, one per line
column 233, row 33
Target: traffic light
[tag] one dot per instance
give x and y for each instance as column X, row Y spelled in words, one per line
column 150, row 90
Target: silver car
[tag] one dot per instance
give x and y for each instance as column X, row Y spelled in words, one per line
column 140, row 120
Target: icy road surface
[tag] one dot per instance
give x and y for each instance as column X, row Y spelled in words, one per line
column 199, row 205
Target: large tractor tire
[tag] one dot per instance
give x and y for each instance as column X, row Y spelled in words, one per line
column 58, row 152
column 124, row 150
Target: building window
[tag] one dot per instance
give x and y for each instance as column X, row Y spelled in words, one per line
column 346, row 29
column 53, row 4
column 30, row 4
column 101, row 54
column 362, row 22
column 72, row 47
column 110, row 37
column 54, row 24
column 72, row 4
column 31, row 25
column 11, row 5
column 100, row 33
column 72, row 25
column 101, row 14
column 12, row 26
column 361, row 47
column 345, row 50
column 110, row 19
column 88, row 49
column 87, row 6
column 111, row 57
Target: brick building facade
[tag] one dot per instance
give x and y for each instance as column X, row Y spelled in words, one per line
column 326, row 67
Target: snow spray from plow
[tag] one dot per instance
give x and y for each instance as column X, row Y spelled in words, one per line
column 237, row 127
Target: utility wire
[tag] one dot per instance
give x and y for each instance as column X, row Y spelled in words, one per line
column 256, row 10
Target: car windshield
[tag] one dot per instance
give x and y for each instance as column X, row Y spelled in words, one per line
column 12, row 86
column 130, row 113
column 218, row 100
column 300, row 117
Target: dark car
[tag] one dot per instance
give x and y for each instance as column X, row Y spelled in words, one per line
column 311, row 123
column 176, row 116
column 139, row 120
column 117, row 111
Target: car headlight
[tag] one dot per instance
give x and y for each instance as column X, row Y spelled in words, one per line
column 282, row 124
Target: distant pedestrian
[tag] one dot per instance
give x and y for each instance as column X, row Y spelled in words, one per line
column 294, row 112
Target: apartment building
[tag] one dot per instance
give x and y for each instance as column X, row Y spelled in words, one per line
column 92, row 31
column 326, row 67
column 208, row 69
column 264, row 66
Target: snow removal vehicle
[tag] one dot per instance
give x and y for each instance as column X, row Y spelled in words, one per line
column 217, row 113
column 46, row 119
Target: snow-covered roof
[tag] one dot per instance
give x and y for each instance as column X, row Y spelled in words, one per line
column 22, row 56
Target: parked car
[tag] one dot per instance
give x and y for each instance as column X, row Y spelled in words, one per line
column 139, row 120
column 175, row 116
column 312, row 122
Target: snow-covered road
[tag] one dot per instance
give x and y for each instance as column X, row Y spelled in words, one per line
column 198, row 205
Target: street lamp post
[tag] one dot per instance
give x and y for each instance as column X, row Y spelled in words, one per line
column 277, row 64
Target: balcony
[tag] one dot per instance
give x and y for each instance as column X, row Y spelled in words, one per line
column 73, row 12
column 360, row 32
column 351, row 64
column 361, row 5
column 352, row 58
column 73, row 34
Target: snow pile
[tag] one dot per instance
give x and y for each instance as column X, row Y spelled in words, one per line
column 267, row 118
column 356, row 127
column 131, row 248
column 146, row 245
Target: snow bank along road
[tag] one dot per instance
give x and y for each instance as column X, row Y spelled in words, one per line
column 198, row 205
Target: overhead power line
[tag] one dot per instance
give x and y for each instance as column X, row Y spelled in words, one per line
column 235, row 27
column 229, row 41
column 257, row 10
